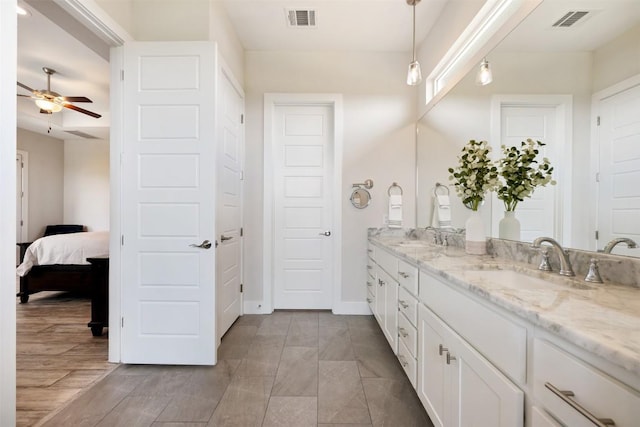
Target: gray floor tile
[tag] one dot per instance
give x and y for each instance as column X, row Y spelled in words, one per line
column 344, row 425
column 135, row 411
column 303, row 330
column 297, row 373
column 244, row 403
column 326, row 319
column 394, row 402
column 335, row 344
column 177, row 424
column 240, row 334
column 251, row 319
column 263, row 356
column 287, row 411
column 377, row 361
column 341, row 398
column 276, row 324
column 163, row 383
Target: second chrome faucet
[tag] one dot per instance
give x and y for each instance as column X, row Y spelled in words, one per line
column 565, row 264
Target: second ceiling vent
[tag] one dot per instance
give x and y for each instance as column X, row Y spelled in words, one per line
column 570, row 18
column 301, row 18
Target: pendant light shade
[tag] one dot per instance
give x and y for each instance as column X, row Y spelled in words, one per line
column 414, row 75
column 484, row 76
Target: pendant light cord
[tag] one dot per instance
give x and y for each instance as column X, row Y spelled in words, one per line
column 414, row 32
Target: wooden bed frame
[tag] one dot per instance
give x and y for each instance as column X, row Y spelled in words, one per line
column 83, row 279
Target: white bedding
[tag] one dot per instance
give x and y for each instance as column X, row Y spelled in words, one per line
column 72, row 248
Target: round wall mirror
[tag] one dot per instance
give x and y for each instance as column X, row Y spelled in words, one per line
column 360, row 198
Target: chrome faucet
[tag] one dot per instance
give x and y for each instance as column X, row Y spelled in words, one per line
column 565, row 263
column 612, row 244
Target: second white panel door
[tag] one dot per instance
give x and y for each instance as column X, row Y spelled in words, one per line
column 303, row 168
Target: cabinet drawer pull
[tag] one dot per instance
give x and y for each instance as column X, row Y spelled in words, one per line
column 369, row 267
column 450, row 358
column 403, row 361
column 369, row 300
column 403, row 274
column 403, row 332
column 403, row 304
column 370, row 251
column 442, row 349
column 369, row 284
column 566, row 396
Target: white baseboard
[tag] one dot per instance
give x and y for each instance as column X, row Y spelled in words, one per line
column 255, row 307
column 351, row 307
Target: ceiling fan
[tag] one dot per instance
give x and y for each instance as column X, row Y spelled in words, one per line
column 52, row 102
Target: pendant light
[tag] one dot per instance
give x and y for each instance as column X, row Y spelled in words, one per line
column 484, row 76
column 414, row 75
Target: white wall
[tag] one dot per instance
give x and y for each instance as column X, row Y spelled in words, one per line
column 86, row 183
column 379, row 111
column 617, row 60
column 170, row 20
column 46, row 180
column 229, row 46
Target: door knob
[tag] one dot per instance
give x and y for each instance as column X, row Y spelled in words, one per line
column 204, row 245
column 325, row 233
column 224, row 238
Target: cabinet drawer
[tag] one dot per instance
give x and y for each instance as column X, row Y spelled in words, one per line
column 408, row 305
column 595, row 393
column 408, row 363
column 408, row 276
column 388, row 262
column 371, row 300
column 371, row 268
column 371, row 251
column 499, row 339
column 408, row 334
column 539, row 418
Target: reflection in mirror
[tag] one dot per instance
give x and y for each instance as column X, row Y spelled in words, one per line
column 360, row 198
column 551, row 84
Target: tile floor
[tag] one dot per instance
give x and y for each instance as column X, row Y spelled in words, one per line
column 291, row 369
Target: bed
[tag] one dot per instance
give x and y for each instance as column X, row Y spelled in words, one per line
column 58, row 261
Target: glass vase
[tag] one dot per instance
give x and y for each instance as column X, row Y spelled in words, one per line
column 475, row 235
column 509, row 227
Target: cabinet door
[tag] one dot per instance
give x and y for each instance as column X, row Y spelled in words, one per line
column 431, row 365
column 380, row 297
column 391, row 314
column 480, row 394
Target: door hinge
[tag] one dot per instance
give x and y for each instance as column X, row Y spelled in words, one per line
column 241, row 119
column 241, row 287
column 122, row 322
column 598, row 121
column 241, row 175
column 122, row 240
column 122, row 75
column 241, row 231
column 21, row 165
column 21, row 222
column 597, row 176
column 597, row 235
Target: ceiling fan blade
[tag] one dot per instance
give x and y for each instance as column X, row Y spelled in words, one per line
column 82, row 110
column 23, row 86
column 77, row 99
column 25, row 96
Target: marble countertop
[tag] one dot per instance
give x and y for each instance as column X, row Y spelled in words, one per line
column 603, row 319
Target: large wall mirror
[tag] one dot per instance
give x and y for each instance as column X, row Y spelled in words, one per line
column 553, row 84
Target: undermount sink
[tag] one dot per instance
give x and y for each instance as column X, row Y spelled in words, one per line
column 412, row 244
column 514, row 279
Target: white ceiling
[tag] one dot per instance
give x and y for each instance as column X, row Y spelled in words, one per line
column 345, row 25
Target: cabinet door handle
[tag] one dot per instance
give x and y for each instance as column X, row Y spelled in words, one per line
column 380, row 282
column 566, row 396
column 403, row 274
column 403, row 303
column 450, row 358
column 369, row 300
column 403, row 361
column 403, row 332
column 442, row 349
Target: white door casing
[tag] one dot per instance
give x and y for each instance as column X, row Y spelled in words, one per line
column 230, row 153
column 518, row 117
column 168, row 203
column 618, row 201
column 310, row 260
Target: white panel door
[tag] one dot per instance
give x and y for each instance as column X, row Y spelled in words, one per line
column 229, row 217
column 619, row 192
column 536, row 214
column 303, row 168
column 168, row 203
column 19, row 197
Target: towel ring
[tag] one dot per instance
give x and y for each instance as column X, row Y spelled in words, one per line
column 438, row 185
column 394, row 185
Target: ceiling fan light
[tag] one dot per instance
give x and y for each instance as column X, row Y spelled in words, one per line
column 22, row 11
column 47, row 105
column 414, row 75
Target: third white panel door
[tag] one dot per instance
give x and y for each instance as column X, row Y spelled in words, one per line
column 619, row 193
column 536, row 214
column 229, row 218
column 303, row 168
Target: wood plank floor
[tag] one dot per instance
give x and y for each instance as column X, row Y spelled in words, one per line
column 57, row 357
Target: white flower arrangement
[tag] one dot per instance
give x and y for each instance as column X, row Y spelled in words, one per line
column 520, row 173
column 475, row 175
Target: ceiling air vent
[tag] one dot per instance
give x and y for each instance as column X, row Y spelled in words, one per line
column 301, row 18
column 81, row 134
column 570, row 18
